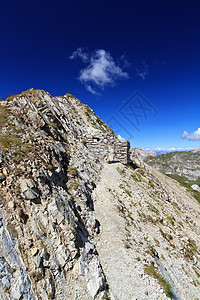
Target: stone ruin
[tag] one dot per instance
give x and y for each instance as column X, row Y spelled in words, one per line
column 109, row 148
column 121, row 152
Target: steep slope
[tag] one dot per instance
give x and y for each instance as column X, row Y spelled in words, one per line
column 149, row 224
column 73, row 226
column 47, row 175
column 181, row 166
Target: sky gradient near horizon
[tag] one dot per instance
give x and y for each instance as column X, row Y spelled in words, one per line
column 135, row 63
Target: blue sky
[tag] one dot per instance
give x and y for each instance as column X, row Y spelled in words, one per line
column 135, row 63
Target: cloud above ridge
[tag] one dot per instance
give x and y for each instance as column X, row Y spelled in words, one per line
column 101, row 69
column 194, row 136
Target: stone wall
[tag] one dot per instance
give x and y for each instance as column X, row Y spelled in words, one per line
column 110, row 148
column 121, row 152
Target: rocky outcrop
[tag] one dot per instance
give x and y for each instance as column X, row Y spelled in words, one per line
column 142, row 154
column 47, row 220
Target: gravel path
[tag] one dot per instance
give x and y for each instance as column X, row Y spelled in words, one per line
column 123, row 272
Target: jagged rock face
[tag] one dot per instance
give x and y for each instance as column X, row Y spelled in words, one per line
column 142, row 154
column 47, row 175
column 75, row 227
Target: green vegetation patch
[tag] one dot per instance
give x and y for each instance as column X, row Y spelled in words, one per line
column 4, row 114
column 151, row 271
column 72, row 171
column 187, row 184
column 190, row 249
column 128, row 193
column 167, row 162
column 136, row 177
column 152, row 207
column 121, row 171
column 9, row 133
column 170, row 220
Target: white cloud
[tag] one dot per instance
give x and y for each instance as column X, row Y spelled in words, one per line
column 101, row 70
column 143, row 71
column 194, row 136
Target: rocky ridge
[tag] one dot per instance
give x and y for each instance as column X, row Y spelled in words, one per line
column 181, row 163
column 142, row 154
column 47, row 175
column 75, row 226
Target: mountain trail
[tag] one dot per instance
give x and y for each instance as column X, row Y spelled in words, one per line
column 123, row 273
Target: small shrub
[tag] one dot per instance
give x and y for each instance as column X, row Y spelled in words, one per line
column 171, row 220
column 151, row 251
column 170, row 237
column 190, row 249
column 72, row 171
column 150, row 219
column 50, row 296
column 50, row 167
column 127, row 245
column 153, row 208
column 136, row 177
column 54, row 126
column 151, row 184
column 138, row 258
column 197, row 273
column 106, row 297
column 75, row 186
column 121, row 171
column 128, row 193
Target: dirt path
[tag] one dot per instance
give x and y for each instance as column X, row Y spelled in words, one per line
column 123, row 272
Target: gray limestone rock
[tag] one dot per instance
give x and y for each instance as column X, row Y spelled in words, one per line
column 29, row 189
column 94, row 277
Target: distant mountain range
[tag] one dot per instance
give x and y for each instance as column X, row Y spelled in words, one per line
column 196, row 150
column 182, row 163
column 169, row 150
column 183, row 166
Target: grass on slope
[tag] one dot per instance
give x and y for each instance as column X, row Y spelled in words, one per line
column 165, row 285
column 187, row 184
column 179, row 159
